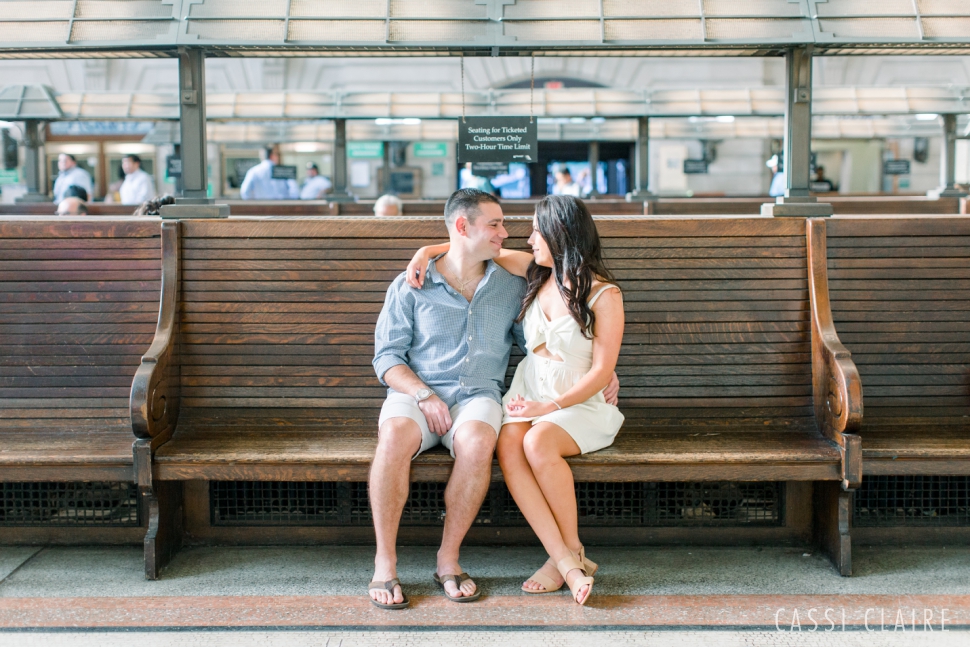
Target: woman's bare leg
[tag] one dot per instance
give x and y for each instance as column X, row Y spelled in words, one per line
column 529, row 496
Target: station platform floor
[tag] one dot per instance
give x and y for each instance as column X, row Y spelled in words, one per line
column 268, row 596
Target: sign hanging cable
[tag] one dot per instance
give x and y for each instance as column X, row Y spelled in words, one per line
column 532, row 90
column 461, row 60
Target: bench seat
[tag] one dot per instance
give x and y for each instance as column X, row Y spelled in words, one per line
column 271, row 454
column 88, row 454
column 912, row 449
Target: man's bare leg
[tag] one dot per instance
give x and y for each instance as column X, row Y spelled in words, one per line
column 389, row 486
column 474, row 444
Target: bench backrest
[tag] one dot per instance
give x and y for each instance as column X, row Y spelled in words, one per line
column 78, row 308
column 900, row 294
column 281, row 315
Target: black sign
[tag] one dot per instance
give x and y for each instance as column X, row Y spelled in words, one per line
column 284, row 172
column 895, row 167
column 173, row 166
column 241, row 166
column 695, row 167
column 489, row 169
column 9, row 150
column 498, row 139
column 402, row 182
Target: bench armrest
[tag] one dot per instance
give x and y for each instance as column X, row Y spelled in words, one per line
column 155, row 388
column 837, row 387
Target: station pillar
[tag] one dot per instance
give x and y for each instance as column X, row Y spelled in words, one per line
column 798, row 200
column 33, row 163
column 193, row 200
column 948, row 162
column 641, row 173
column 340, row 192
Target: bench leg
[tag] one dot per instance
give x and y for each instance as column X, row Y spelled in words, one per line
column 833, row 513
column 164, row 537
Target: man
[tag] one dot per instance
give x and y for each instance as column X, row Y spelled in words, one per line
column 821, row 184
column 70, row 175
column 565, row 184
column 138, row 186
column 260, row 185
column 443, row 352
column 388, row 205
column 315, row 185
column 72, row 206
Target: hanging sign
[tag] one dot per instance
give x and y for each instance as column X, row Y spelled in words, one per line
column 173, row 166
column 895, row 167
column 489, row 169
column 365, row 150
column 695, row 167
column 430, row 149
column 284, row 172
column 498, row 139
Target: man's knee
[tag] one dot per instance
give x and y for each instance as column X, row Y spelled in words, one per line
column 475, row 441
column 399, row 437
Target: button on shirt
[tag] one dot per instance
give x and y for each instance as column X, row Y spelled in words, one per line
column 71, row 177
column 260, row 185
column 137, row 188
column 460, row 349
column 314, row 187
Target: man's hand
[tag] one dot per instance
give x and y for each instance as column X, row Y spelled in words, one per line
column 437, row 414
column 612, row 391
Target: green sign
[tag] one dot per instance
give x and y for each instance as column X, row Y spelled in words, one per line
column 365, row 150
column 9, row 177
column 430, row 149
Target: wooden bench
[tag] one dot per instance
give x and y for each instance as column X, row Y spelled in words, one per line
column 901, row 300
column 78, row 308
column 269, row 327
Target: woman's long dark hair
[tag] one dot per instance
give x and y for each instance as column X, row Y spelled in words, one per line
column 568, row 229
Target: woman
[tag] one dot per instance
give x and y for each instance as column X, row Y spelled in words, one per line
column 572, row 316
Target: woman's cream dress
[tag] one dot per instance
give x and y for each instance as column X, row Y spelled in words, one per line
column 592, row 424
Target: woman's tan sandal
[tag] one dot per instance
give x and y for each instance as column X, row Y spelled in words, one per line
column 570, row 563
column 549, row 585
column 589, row 566
column 457, row 579
column 389, row 586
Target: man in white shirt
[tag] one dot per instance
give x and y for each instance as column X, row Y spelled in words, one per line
column 70, row 175
column 565, row 184
column 138, row 186
column 315, row 185
column 260, row 185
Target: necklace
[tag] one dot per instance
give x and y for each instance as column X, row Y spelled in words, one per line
column 458, row 279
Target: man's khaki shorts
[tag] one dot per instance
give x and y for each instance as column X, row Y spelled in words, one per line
column 399, row 405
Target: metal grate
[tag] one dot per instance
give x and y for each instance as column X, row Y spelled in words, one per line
column 69, row 504
column 912, row 501
column 254, row 503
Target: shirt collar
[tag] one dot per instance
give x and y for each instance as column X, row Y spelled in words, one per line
column 435, row 275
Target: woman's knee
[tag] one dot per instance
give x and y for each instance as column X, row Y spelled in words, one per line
column 540, row 448
column 510, row 443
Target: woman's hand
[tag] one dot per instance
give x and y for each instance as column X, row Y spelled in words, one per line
column 418, row 267
column 519, row 407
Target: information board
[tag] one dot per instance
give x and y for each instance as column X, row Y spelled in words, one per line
column 173, row 166
column 430, row 149
column 895, row 167
column 284, row 172
column 498, row 139
column 695, row 167
column 489, row 169
column 365, row 150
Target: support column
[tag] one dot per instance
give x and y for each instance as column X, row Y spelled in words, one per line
column 340, row 192
column 193, row 201
column 33, row 163
column 797, row 200
column 641, row 174
column 948, row 162
column 594, row 162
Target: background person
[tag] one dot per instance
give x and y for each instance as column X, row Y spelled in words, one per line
column 315, row 185
column 72, row 206
column 778, row 186
column 260, row 185
column 153, row 207
column 565, row 184
column 70, row 175
column 388, row 205
column 138, row 185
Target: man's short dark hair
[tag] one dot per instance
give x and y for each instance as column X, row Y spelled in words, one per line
column 82, row 209
column 467, row 202
column 134, row 158
column 75, row 191
column 312, row 165
column 73, row 159
column 269, row 151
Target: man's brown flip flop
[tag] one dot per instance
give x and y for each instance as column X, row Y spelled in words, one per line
column 389, row 586
column 457, row 579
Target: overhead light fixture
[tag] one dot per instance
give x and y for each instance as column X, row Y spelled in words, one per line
column 384, row 121
column 305, row 147
column 926, row 117
column 725, row 119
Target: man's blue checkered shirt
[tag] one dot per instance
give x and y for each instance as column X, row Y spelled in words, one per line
column 460, row 349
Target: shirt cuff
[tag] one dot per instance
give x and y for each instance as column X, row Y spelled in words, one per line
column 385, row 363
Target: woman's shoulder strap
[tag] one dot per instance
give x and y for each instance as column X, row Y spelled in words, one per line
column 603, row 289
